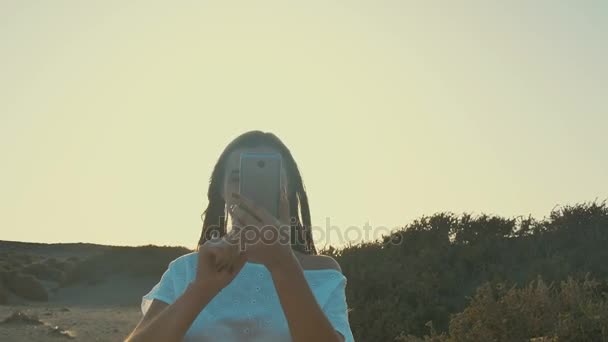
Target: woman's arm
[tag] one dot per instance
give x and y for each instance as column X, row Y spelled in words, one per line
column 305, row 318
column 174, row 320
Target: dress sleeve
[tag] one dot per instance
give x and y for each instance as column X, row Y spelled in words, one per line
column 164, row 290
column 336, row 310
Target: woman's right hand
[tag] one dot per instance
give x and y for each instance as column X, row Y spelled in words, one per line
column 219, row 261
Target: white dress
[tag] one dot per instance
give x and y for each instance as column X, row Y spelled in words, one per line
column 248, row 309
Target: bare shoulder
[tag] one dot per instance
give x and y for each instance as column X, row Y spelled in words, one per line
column 319, row 262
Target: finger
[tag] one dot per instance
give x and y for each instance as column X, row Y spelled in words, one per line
column 225, row 266
column 232, row 203
column 257, row 212
column 231, row 253
column 244, row 217
column 283, row 181
column 233, row 235
column 214, row 240
column 216, row 259
column 240, row 228
column 236, row 263
column 235, row 223
column 213, row 260
column 284, row 208
column 218, row 253
column 221, row 263
column 239, row 262
column 211, row 254
column 231, row 250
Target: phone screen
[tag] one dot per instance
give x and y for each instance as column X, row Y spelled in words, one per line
column 260, row 179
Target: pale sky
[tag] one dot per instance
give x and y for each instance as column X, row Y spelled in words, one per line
column 113, row 113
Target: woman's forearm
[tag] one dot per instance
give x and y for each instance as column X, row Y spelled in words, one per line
column 306, row 319
column 173, row 322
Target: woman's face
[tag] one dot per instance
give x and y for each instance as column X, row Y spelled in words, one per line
column 232, row 169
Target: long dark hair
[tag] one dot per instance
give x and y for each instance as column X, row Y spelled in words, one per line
column 215, row 216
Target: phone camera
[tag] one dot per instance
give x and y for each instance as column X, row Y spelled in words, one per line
column 261, row 163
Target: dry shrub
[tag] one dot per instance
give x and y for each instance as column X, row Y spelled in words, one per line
column 574, row 310
column 44, row 271
column 28, row 287
column 515, row 315
column 3, row 294
column 13, row 261
column 149, row 261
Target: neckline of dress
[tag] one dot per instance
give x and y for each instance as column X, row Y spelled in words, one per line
column 304, row 269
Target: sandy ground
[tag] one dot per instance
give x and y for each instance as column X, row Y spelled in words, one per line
column 106, row 309
column 80, row 323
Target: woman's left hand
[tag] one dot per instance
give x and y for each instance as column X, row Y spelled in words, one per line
column 264, row 238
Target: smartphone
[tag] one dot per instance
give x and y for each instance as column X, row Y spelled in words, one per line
column 260, row 179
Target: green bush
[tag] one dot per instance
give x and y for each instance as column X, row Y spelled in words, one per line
column 429, row 270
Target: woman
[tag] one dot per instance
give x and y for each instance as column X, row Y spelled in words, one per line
column 263, row 292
